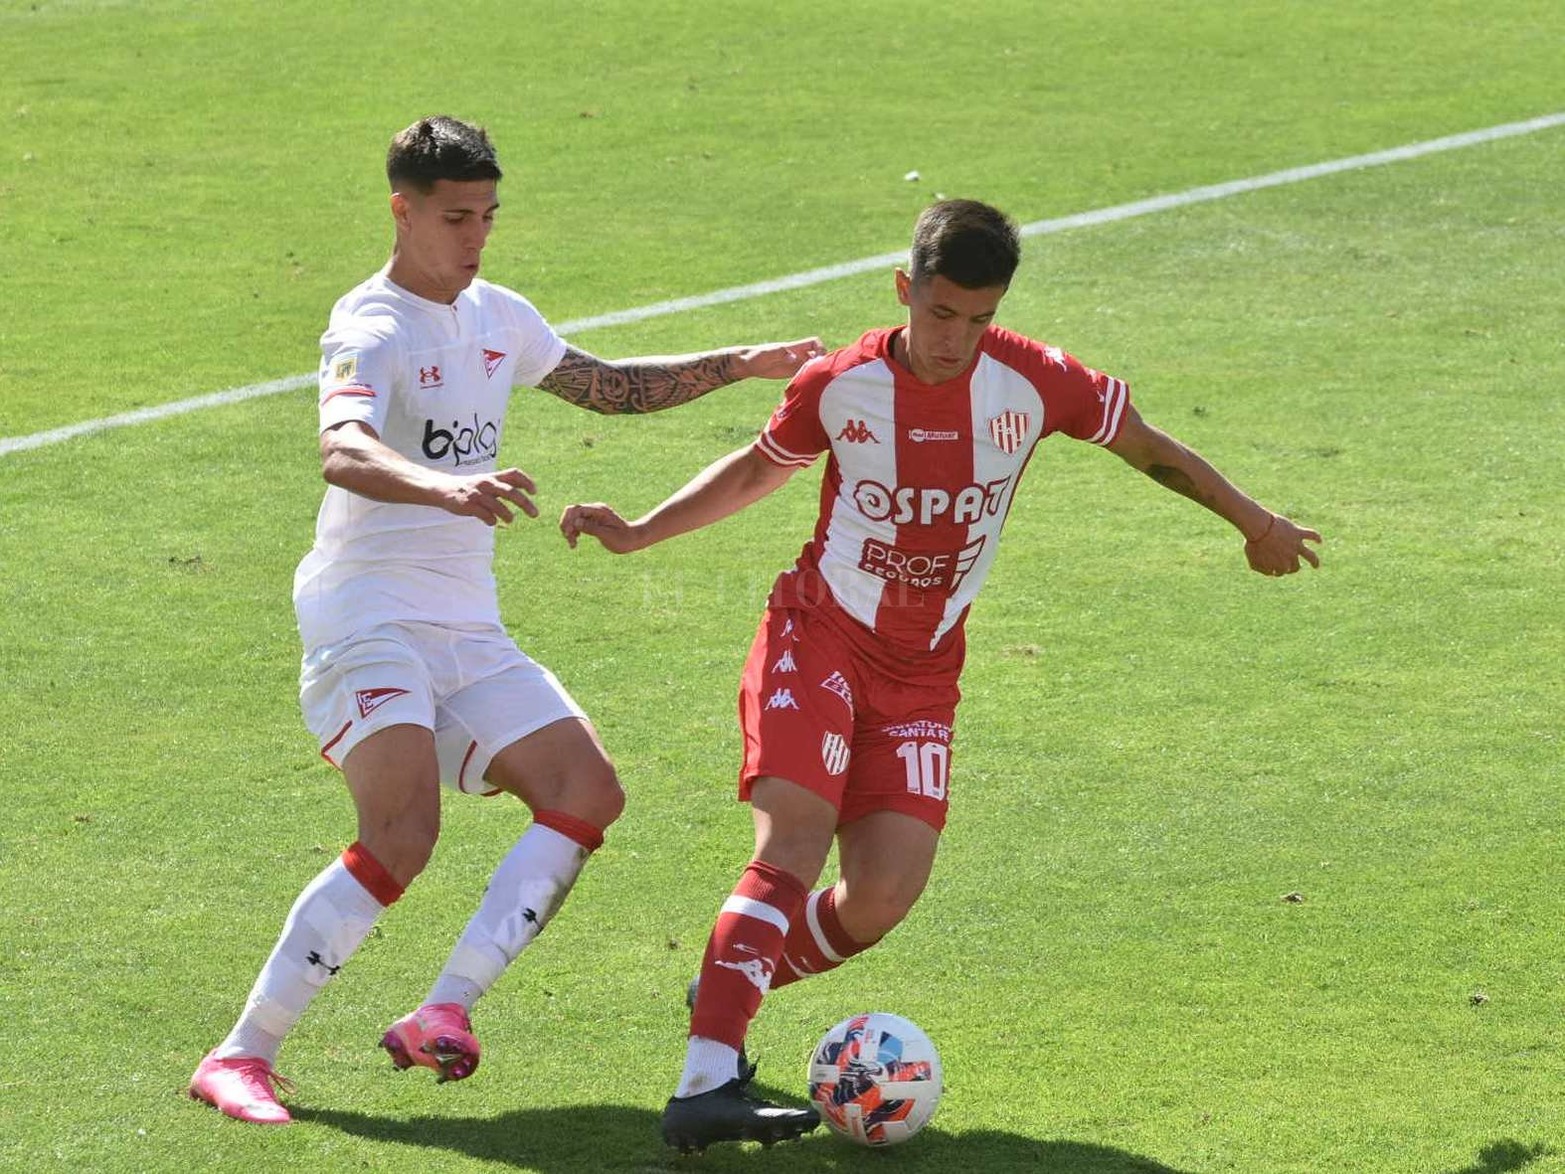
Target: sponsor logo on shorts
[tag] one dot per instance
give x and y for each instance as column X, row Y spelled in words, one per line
column 936, row 731
column 782, row 699
column 925, row 570
column 923, row 435
column 838, row 684
column 372, row 699
column 834, row 754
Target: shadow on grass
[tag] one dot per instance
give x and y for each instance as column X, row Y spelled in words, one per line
column 581, row 1139
column 585, row 1138
column 1503, row 1156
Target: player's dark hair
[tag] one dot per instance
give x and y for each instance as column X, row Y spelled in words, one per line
column 438, row 148
column 967, row 242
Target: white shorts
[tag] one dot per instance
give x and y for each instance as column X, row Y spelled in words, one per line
column 470, row 684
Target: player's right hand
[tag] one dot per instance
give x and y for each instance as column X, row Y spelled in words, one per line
column 599, row 521
column 484, row 496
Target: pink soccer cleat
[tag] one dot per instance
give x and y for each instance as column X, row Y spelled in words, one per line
column 438, row 1036
column 243, row 1087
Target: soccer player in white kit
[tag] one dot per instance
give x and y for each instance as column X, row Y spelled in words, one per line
column 849, row 695
column 409, row 680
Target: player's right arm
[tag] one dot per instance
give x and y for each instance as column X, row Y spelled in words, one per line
column 724, row 487
column 354, row 458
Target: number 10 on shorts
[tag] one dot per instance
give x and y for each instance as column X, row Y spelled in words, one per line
column 927, row 766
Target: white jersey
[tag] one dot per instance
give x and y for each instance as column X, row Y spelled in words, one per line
column 433, row 380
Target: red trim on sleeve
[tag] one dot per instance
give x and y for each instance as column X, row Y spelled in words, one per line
column 361, row 392
column 370, row 873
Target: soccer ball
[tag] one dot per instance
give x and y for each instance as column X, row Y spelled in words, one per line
column 875, row 1079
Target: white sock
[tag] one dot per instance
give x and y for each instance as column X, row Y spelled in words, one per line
column 324, row 927
column 708, row 1065
column 524, row 893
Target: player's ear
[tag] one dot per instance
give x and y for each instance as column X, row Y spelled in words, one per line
column 400, row 207
column 904, row 287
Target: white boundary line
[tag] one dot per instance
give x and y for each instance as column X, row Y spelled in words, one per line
column 809, row 277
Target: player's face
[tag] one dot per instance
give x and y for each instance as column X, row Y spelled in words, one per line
column 944, row 323
column 441, row 235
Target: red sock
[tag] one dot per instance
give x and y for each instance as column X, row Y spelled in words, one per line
column 816, row 942
column 743, row 950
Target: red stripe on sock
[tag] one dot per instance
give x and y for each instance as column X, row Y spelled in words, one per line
column 589, row 837
column 371, row 873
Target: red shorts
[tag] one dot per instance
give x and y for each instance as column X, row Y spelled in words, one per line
column 814, row 711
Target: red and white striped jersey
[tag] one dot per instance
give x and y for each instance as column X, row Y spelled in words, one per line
column 920, row 476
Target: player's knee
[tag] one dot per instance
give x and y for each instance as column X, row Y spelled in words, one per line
column 599, row 795
column 404, row 846
column 870, row 910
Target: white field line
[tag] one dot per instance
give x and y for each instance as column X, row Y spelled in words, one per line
column 736, row 293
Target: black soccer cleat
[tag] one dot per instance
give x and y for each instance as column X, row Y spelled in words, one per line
column 746, row 1069
column 729, row 1113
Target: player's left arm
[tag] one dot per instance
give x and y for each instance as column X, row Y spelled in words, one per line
column 1273, row 544
column 634, row 386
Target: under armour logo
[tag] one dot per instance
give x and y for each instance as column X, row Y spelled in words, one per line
column 429, row 376
column 315, row 959
column 530, row 916
column 857, row 432
column 782, row 699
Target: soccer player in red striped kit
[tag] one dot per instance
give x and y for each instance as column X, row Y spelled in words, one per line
column 849, row 695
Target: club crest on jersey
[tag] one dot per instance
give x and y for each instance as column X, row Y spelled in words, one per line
column 834, row 754
column 857, row 432
column 429, row 377
column 372, row 699
column 492, row 361
column 1008, row 430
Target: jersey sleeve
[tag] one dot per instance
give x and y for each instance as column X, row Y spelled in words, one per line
column 1082, row 402
column 358, row 375
column 538, row 348
column 794, row 436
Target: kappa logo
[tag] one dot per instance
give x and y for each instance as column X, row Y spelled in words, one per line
column 492, row 361
column 755, row 969
column 924, row 435
column 430, row 377
column 785, row 663
column 857, row 432
column 1056, row 356
column 834, row 754
column 782, row 699
column 1008, row 430
column 372, row 699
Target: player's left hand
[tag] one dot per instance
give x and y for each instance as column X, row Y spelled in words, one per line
column 1280, row 549
column 776, row 360
column 601, row 522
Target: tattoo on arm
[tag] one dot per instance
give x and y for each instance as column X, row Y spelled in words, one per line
column 1176, row 479
column 634, row 386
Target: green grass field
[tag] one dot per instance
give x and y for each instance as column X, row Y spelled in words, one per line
column 1155, row 748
